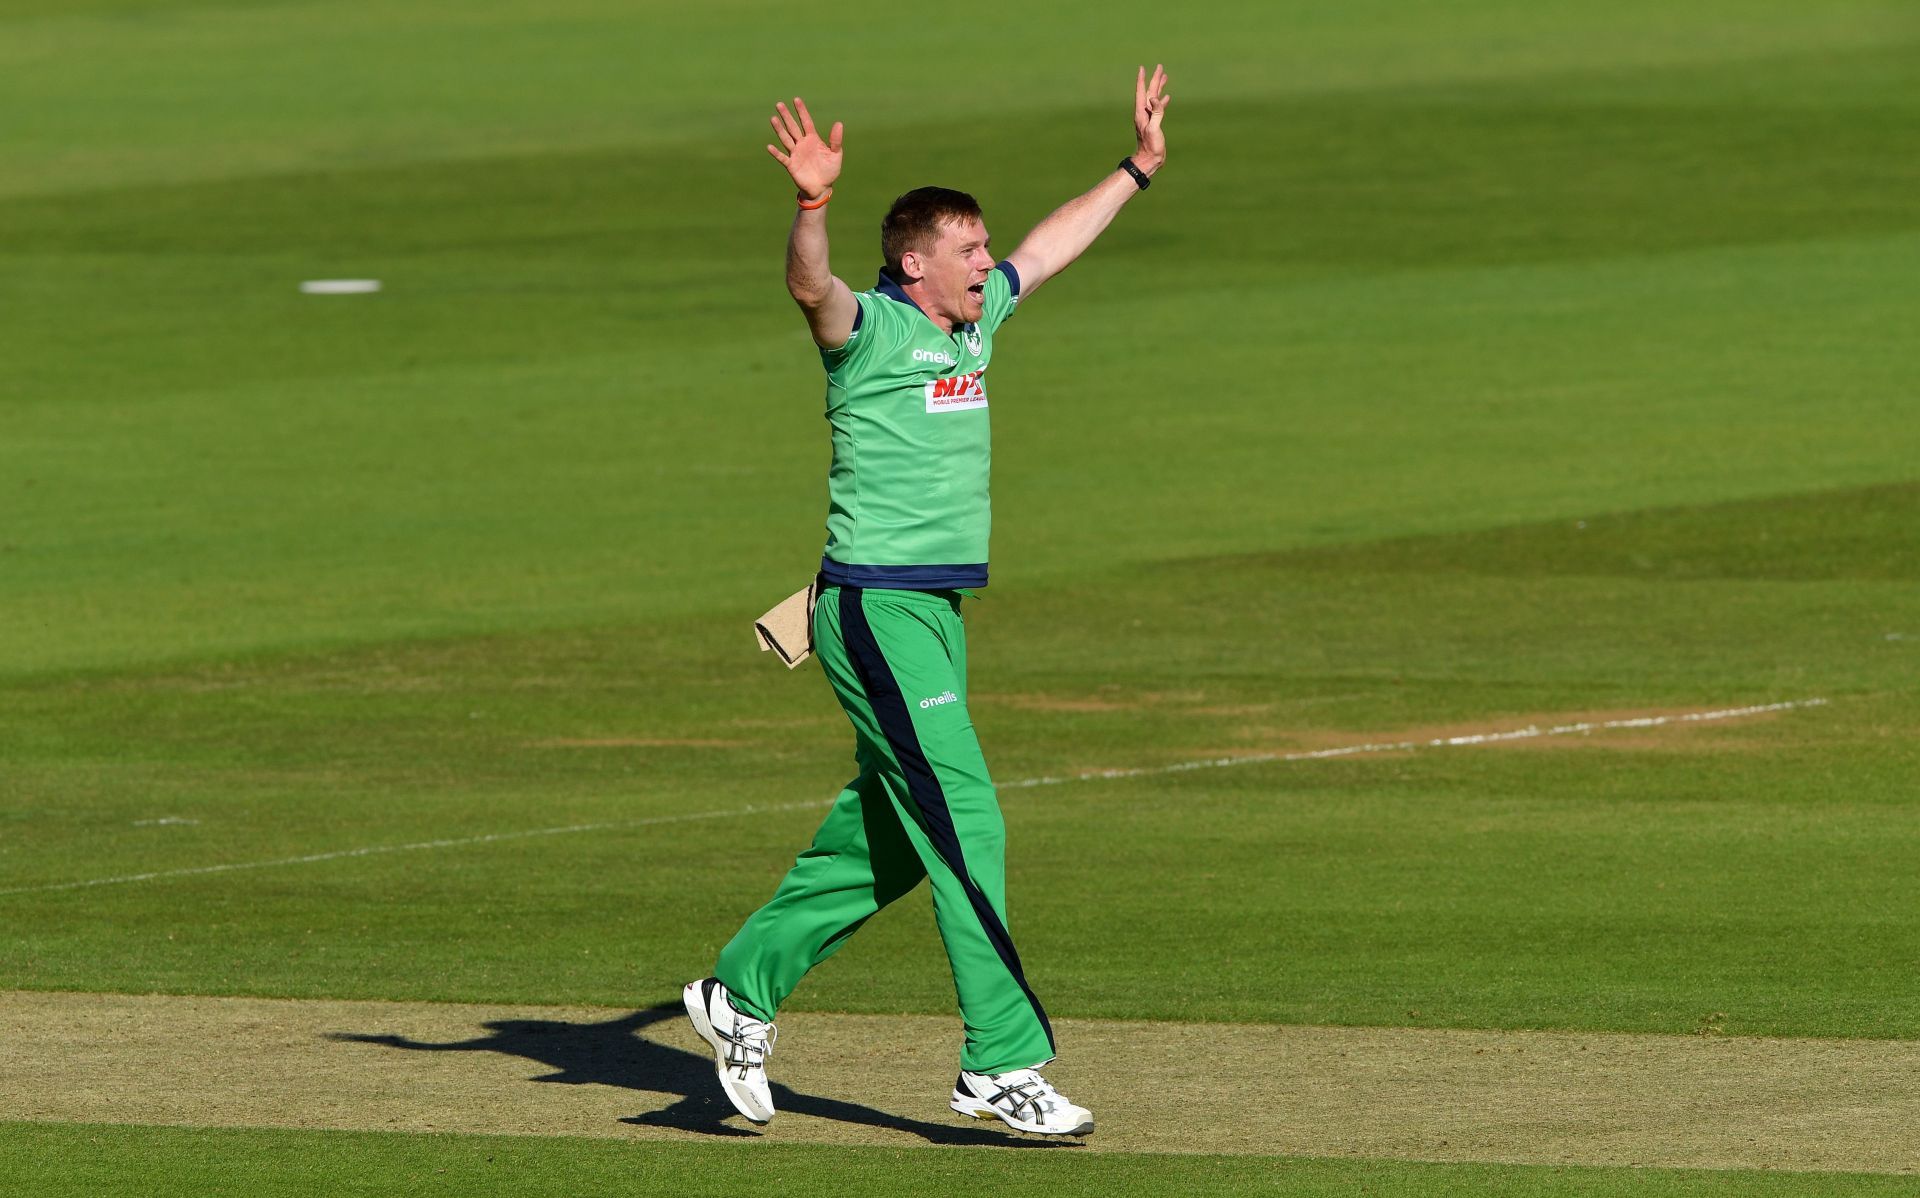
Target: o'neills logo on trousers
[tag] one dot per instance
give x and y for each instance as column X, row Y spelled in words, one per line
column 937, row 700
column 958, row 393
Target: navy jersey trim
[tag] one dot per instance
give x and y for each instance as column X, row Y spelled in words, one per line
column 936, row 577
column 1013, row 276
column 834, row 358
column 887, row 287
column 923, row 785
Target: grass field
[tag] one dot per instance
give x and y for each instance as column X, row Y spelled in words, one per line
column 1471, row 368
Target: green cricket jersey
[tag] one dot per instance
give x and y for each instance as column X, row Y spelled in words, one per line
column 907, row 492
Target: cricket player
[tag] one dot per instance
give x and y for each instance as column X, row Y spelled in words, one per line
column 907, row 365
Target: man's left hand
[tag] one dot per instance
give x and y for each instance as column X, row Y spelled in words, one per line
column 1149, row 106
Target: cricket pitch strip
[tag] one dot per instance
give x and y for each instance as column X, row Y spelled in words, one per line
column 1561, row 1098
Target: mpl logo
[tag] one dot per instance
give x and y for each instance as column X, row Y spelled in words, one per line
column 937, row 700
column 958, row 392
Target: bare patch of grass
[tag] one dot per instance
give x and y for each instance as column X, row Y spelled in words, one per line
column 1407, row 1093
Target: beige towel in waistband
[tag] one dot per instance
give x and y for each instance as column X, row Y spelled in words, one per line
column 787, row 628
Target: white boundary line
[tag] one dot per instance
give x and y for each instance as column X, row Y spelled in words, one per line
column 1530, row 732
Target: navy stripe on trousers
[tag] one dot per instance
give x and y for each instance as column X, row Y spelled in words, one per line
column 890, row 707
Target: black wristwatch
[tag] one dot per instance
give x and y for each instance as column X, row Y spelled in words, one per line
column 1139, row 176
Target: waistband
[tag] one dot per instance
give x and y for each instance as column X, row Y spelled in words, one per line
column 929, row 577
column 943, row 598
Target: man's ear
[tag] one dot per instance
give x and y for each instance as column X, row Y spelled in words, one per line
column 912, row 266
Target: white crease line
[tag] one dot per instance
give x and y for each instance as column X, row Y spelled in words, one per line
column 378, row 849
column 1527, row 733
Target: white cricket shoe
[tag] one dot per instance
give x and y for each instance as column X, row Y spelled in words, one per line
column 740, row 1043
column 1023, row 1100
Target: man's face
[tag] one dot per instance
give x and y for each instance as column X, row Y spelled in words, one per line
column 954, row 271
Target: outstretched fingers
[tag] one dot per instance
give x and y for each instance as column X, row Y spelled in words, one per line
column 787, row 124
column 1149, row 93
column 1150, row 99
column 812, row 162
column 780, row 131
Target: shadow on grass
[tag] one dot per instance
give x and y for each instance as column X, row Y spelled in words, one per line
column 612, row 1053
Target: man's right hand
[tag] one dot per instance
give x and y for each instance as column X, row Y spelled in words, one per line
column 813, row 163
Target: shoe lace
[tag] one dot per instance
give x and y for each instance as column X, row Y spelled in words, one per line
column 1023, row 1091
column 749, row 1043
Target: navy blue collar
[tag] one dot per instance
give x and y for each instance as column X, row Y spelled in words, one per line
column 887, row 287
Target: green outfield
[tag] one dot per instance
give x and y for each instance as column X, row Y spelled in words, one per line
column 1470, row 369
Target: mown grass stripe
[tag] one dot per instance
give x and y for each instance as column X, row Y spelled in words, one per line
column 1530, row 732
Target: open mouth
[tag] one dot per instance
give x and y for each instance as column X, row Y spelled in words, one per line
column 978, row 290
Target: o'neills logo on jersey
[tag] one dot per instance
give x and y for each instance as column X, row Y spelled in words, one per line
column 958, row 393
column 937, row 700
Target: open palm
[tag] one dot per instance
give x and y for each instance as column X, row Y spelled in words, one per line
column 813, row 163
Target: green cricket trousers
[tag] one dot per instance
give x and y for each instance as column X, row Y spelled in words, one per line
column 922, row 807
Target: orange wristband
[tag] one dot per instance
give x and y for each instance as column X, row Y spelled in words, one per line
column 801, row 199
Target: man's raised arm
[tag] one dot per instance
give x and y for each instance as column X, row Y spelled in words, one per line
column 814, row 165
column 1056, row 241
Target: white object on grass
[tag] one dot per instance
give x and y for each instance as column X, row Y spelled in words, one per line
column 339, row 286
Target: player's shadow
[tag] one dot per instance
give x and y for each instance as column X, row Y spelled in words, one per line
column 612, row 1053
